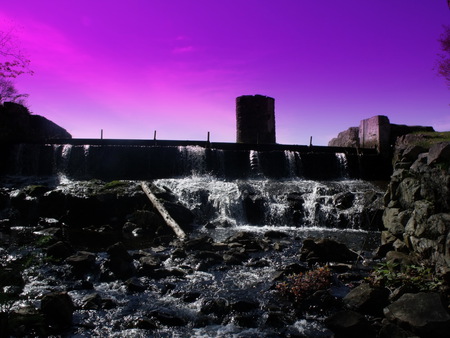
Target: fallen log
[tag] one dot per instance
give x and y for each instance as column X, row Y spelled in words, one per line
column 163, row 212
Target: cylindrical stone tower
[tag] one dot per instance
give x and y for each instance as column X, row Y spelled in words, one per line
column 255, row 119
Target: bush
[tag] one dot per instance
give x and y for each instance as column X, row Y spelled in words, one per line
column 301, row 286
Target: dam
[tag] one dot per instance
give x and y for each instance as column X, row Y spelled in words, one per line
column 108, row 159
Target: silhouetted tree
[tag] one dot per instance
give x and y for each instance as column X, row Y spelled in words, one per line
column 12, row 60
column 9, row 93
column 443, row 67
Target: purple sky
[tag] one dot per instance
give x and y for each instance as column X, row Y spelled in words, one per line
column 132, row 67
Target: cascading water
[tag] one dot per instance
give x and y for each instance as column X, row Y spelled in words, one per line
column 255, row 163
column 192, row 159
column 342, row 164
column 340, row 209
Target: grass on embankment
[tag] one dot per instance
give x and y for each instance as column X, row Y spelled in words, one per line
column 430, row 138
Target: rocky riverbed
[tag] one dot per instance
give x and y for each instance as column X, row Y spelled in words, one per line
column 95, row 259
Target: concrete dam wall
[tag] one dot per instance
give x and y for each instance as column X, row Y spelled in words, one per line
column 135, row 160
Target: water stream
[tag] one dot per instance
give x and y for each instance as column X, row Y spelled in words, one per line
column 299, row 208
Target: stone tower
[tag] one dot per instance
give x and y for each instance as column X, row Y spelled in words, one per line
column 255, row 119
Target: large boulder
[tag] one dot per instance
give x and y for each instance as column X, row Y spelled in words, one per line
column 367, row 299
column 58, row 309
column 326, row 250
column 347, row 138
column 439, row 152
column 421, row 313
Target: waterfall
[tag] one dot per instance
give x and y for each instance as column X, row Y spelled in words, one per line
column 291, row 203
column 291, row 159
column 342, row 165
column 255, row 166
column 192, row 160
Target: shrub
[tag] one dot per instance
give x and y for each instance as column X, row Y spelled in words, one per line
column 417, row 277
column 302, row 285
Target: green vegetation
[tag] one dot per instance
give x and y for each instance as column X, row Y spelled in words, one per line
column 302, row 285
column 416, row 277
column 115, row 184
column 430, row 138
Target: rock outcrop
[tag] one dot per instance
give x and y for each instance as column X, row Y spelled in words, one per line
column 417, row 213
column 375, row 132
column 18, row 125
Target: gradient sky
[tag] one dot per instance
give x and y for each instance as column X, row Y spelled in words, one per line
column 132, row 67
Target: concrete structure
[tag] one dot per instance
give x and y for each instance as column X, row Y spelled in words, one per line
column 255, row 119
column 375, row 133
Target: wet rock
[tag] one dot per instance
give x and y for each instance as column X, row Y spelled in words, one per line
column 326, row 250
column 389, row 330
column 199, row 243
column 135, row 285
column 94, row 301
column 164, row 273
column 167, row 317
column 343, row 200
column 11, row 277
column 148, row 264
column 367, row 299
column 120, row 262
column 421, row 313
column 218, row 306
column 234, row 257
column 24, row 322
column 245, row 305
column 58, row 309
column 182, row 215
column 82, row 262
column 91, row 302
column 278, row 319
column 350, row 324
column 247, row 320
column 60, row 250
column 273, row 234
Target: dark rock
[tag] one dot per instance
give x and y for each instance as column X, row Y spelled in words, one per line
column 92, row 301
column 439, row 152
column 60, row 250
column 350, row 324
column 164, row 273
column 120, row 262
column 421, row 313
column 400, row 258
column 167, row 317
column 367, row 299
column 199, row 243
column 58, row 309
column 11, row 277
column 182, row 215
column 217, row 306
column 389, row 330
column 135, row 285
column 149, row 263
column 326, row 250
column 343, row 200
column 347, row 138
column 412, row 152
column 24, row 322
column 254, row 209
column 82, row 262
column 247, row 320
column 245, row 305
column 275, row 234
